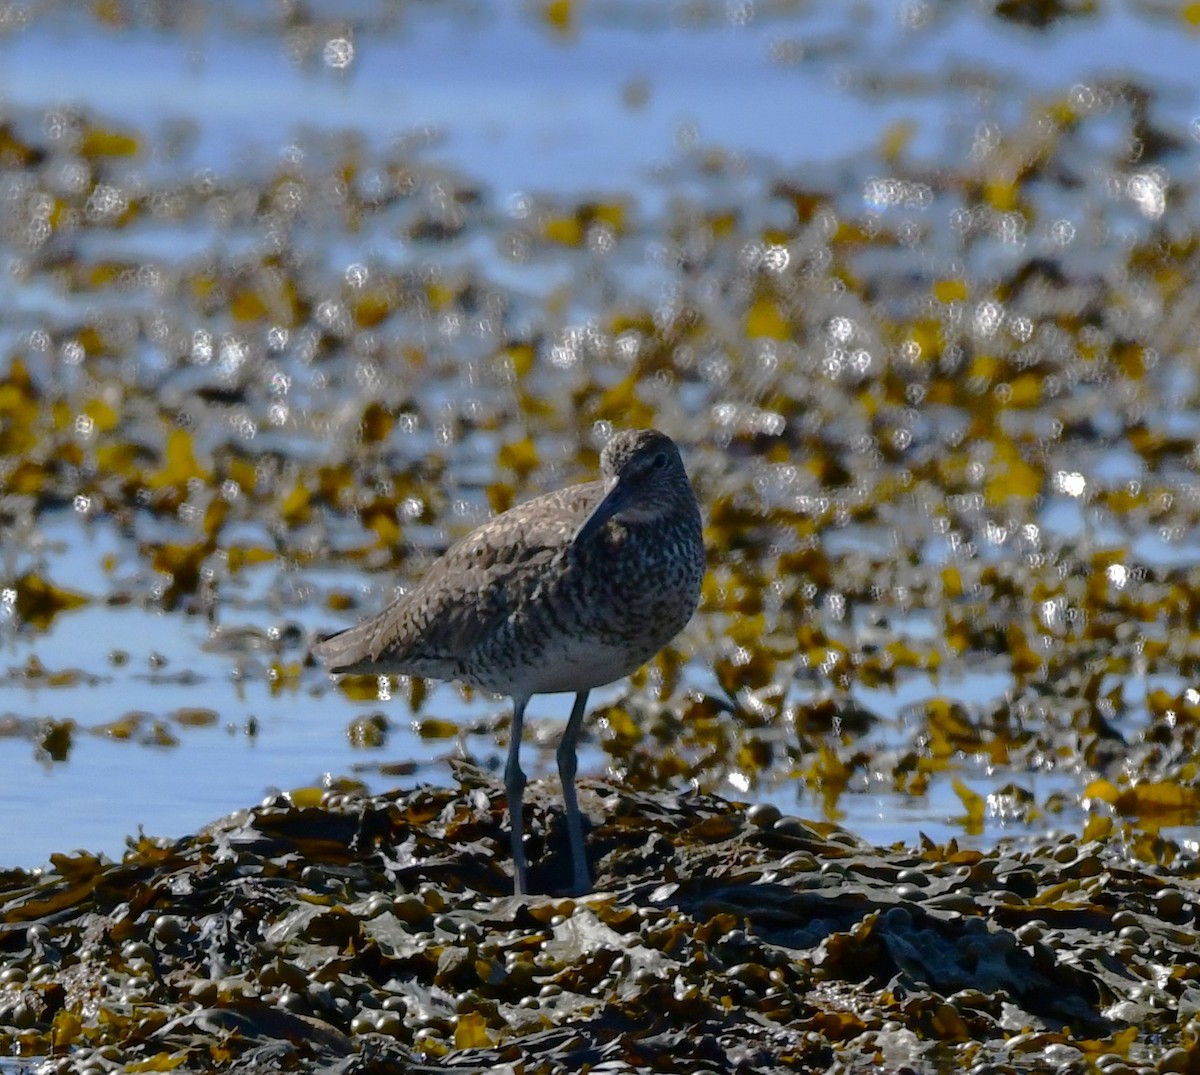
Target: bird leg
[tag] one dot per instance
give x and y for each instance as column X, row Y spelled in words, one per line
column 566, row 772
column 514, row 786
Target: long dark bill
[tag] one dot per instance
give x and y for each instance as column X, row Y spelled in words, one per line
column 615, row 498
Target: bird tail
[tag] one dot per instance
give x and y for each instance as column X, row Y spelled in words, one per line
column 345, row 650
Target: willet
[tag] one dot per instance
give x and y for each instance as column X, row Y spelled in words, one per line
column 566, row 592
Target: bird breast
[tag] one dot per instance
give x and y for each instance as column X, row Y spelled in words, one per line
column 596, row 615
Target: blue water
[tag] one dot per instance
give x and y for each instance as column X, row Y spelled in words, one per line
column 624, row 106
column 108, row 789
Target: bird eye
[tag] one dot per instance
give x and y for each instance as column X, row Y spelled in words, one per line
column 660, row 461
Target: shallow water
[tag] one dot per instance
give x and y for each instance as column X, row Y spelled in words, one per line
column 497, row 119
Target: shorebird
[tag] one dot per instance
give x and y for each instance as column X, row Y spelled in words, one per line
column 563, row 593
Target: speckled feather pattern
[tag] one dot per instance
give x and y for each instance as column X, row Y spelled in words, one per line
column 518, row 607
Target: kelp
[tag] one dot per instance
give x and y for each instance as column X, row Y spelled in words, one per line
column 327, row 932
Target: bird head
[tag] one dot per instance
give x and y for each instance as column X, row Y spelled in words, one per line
column 643, row 477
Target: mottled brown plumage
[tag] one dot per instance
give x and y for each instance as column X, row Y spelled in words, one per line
column 565, row 592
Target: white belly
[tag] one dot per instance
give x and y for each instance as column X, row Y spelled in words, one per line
column 573, row 665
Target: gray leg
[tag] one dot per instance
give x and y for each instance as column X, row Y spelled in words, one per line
column 514, row 786
column 566, row 772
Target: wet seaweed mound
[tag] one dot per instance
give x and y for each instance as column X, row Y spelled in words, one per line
column 379, row 934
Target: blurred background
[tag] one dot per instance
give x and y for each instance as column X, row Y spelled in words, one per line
column 292, row 295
